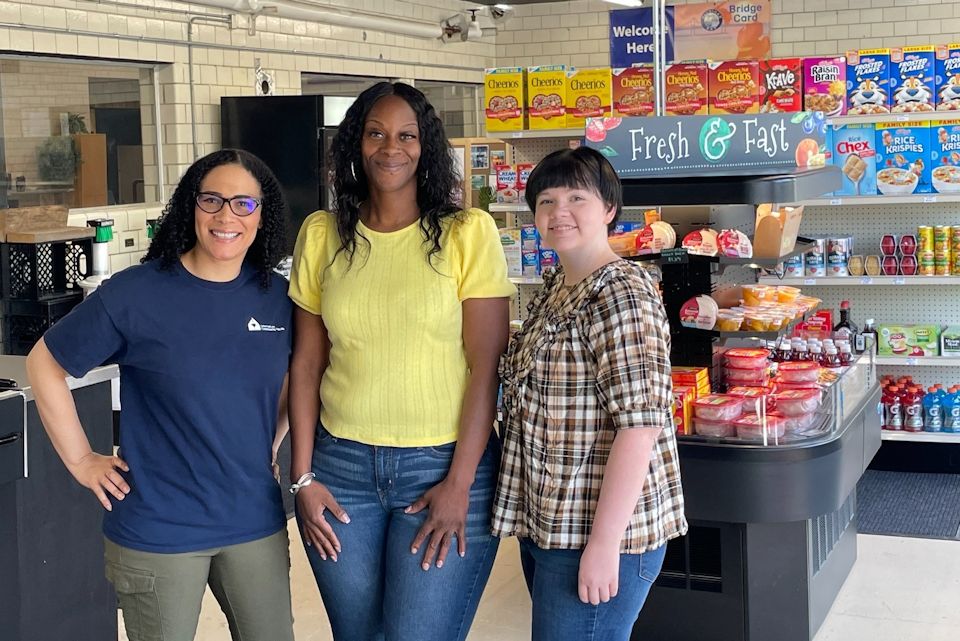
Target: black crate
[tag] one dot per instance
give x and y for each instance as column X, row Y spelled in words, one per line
column 24, row 322
column 45, row 270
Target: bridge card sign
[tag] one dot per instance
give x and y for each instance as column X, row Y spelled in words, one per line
column 646, row 146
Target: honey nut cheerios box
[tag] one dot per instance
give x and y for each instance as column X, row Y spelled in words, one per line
column 825, row 84
column 588, row 95
column 547, row 97
column 633, row 91
column 734, row 87
column 686, row 85
column 868, row 81
column 503, row 91
column 948, row 77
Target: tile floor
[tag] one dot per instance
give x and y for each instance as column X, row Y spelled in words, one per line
column 899, row 590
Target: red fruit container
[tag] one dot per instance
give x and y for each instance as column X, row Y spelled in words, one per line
column 888, row 245
column 908, row 245
column 891, row 266
column 908, row 265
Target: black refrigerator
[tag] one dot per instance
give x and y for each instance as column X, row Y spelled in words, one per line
column 292, row 135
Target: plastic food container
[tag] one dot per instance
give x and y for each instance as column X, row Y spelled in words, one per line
column 728, row 321
column 787, row 294
column 751, row 394
column 798, row 402
column 755, row 321
column 718, row 407
column 753, row 375
column 699, row 312
column 747, row 358
column 706, row 427
column 785, row 386
column 799, row 372
column 754, row 295
column 801, row 423
column 753, row 427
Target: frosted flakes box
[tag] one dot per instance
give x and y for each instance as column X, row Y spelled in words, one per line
column 633, row 91
column 912, row 84
column 945, row 142
column 825, row 84
column 686, row 85
column 855, row 153
column 734, row 87
column 868, row 81
column 903, row 158
column 948, row 77
column 588, row 95
column 781, row 85
column 546, row 97
column 503, row 98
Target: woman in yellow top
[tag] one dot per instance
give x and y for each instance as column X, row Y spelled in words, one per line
column 402, row 315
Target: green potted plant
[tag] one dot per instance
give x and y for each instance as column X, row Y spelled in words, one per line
column 77, row 124
column 57, row 160
column 485, row 196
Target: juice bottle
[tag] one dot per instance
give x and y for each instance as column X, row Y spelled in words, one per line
column 932, row 411
column 951, row 410
column 816, row 354
column 783, row 351
column 913, row 410
column 800, row 352
column 846, row 355
column 831, row 359
column 892, row 409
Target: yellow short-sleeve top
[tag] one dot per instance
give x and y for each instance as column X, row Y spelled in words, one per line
column 398, row 371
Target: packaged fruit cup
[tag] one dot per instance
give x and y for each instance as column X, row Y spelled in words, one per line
column 798, row 402
column 706, row 427
column 718, row 407
column 888, row 245
column 908, row 245
column 753, row 295
column 787, row 294
column 747, row 358
column 752, row 427
column 799, row 372
column 891, row 266
column 728, row 321
column 755, row 321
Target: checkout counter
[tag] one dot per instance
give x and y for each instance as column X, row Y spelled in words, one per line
column 51, row 545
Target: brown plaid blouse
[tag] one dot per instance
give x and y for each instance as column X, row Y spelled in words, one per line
column 588, row 362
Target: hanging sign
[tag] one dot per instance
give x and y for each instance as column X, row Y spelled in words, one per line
column 631, row 36
column 645, row 145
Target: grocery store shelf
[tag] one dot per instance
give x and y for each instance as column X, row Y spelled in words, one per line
column 526, row 280
column 911, row 199
column 892, row 118
column 508, row 208
column 803, row 246
column 851, row 281
column 919, row 361
column 538, row 133
column 921, row 437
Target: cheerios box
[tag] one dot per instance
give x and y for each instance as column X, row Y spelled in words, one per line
column 588, row 95
column 868, row 81
column 912, row 87
column 734, row 87
column 503, row 90
column 633, row 91
column 945, row 142
column 947, row 77
column 687, row 87
column 825, row 84
column 546, row 97
column 903, row 158
column 855, row 153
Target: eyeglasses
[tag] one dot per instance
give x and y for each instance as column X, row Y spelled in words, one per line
column 239, row 205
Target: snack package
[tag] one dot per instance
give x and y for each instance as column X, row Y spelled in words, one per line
column 530, row 263
column 546, row 97
column 513, row 250
column 825, row 85
column 734, row 244
column 503, row 93
column 529, row 238
column 945, row 142
column 588, row 95
column 903, row 158
column 633, row 91
column 683, row 398
column 868, row 81
column 523, row 175
column 548, row 259
column 734, row 87
column 855, row 153
column 702, row 242
column 686, row 85
column 699, row 312
column 507, row 184
column 947, row 77
column 912, row 82
column 950, row 341
column 781, row 85
column 696, row 377
column 908, row 340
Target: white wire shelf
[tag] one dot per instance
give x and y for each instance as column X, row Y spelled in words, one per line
column 892, row 118
column 526, row 280
column 920, row 437
column 850, row 281
column 911, row 199
column 538, row 133
column 919, row 361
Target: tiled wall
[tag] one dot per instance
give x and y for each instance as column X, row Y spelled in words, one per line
column 130, row 241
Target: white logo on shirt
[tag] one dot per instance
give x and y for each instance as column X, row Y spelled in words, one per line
column 253, row 325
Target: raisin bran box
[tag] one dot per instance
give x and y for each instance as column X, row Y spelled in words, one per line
column 825, row 84
column 781, row 85
column 686, row 85
column 948, row 77
column 734, row 87
column 912, row 83
column 903, row 158
column 945, row 142
column 868, row 81
column 633, row 91
column 855, row 153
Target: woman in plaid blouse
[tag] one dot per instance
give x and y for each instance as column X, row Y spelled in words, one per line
column 590, row 480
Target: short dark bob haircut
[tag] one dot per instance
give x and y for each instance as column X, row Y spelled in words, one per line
column 176, row 232
column 580, row 168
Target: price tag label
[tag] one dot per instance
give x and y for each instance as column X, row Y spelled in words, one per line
column 809, row 281
column 929, row 199
column 675, row 256
column 836, row 201
column 866, row 280
column 899, row 280
column 911, row 360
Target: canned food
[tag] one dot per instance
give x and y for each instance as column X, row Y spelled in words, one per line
column 814, row 263
column 955, row 239
column 942, row 267
column 941, row 233
column 927, row 263
column 793, row 267
column 838, row 256
column 955, row 265
column 924, row 239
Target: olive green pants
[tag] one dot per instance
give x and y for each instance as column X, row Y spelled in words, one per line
column 161, row 594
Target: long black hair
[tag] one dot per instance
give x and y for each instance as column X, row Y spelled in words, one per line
column 176, row 233
column 436, row 179
column 580, row 168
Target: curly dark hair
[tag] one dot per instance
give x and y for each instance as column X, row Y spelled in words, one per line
column 436, row 180
column 176, row 234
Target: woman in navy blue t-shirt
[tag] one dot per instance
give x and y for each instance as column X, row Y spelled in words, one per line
column 201, row 332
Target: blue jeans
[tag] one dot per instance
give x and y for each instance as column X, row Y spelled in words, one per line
column 558, row 613
column 377, row 591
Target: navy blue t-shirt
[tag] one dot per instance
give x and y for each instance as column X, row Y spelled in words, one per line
column 202, row 366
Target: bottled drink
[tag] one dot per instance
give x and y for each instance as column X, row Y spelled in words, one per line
column 867, row 339
column 816, row 354
column 913, row 410
column 800, row 352
column 951, row 410
column 845, row 329
column 932, row 411
column 784, row 353
column 892, row 409
column 846, row 355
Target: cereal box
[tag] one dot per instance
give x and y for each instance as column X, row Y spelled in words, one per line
column 523, row 175
column 945, row 142
column 855, row 153
column 512, row 250
column 903, row 158
column 868, row 81
column 588, row 95
column 825, row 85
column 503, row 98
column 507, row 184
column 734, row 87
column 948, row 77
column 546, row 97
column 687, row 85
column 911, row 79
column 633, row 91
column 781, row 86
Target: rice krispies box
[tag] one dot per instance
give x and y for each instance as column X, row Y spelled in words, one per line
column 912, row 87
column 781, row 85
column 686, row 85
column 948, row 77
column 868, row 81
column 825, row 85
column 633, row 91
column 855, row 153
column 945, row 141
column 734, row 87
column 903, row 158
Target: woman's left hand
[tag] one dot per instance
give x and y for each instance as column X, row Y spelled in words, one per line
column 599, row 577
column 447, row 505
